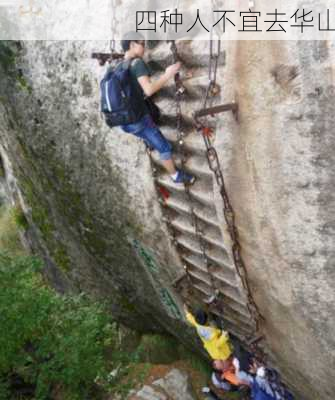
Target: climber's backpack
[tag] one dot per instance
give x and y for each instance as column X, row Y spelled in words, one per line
column 118, row 98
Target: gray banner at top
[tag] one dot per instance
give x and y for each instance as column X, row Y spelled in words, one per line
column 167, row 20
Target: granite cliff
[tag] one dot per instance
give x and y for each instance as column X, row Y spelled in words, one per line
column 97, row 215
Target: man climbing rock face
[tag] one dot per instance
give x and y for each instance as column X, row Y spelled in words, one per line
column 145, row 128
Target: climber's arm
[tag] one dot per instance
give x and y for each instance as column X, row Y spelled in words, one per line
column 222, row 338
column 152, row 86
column 190, row 318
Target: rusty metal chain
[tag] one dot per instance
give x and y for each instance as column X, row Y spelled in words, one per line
column 214, row 165
column 214, row 54
column 112, row 41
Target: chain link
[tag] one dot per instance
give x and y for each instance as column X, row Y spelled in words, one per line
column 214, row 165
column 214, row 55
column 112, row 42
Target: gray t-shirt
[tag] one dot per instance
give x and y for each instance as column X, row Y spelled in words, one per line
column 139, row 68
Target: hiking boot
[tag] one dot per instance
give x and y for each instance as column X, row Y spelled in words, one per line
column 183, row 177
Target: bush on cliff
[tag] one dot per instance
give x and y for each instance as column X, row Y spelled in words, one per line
column 48, row 342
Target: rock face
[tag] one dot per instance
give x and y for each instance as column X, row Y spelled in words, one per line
column 149, row 393
column 175, row 385
column 93, row 204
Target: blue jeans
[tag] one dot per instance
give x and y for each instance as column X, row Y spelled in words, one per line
column 147, row 130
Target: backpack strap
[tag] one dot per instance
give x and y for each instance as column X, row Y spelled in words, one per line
column 118, row 65
column 127, row 63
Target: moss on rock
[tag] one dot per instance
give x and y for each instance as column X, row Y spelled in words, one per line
column 7, row 57
column 79, row 209
column 19, row 217
column 8, row 63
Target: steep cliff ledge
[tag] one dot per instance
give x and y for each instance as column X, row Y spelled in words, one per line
column 93, row 210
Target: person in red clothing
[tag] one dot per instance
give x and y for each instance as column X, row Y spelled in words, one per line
column 228, row 371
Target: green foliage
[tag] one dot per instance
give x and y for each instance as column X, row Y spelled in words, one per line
column 4, row 389
column 23, row 84
column 158, row 349
column 43, row 219
column 46, row 339
column 194, row 361
column 19, row 217
column 62, row 259
column 126, row 377
column 9, row 231
column 8, row 52
column 7, row 57
column 127, row 368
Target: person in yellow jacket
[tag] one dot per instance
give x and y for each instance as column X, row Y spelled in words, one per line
column 215, row 340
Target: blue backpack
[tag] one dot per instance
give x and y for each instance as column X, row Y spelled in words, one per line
column 277, row 389
column 258, row 394
column 118, row 96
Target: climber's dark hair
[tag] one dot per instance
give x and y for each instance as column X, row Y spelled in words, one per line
column 130, row 37
column 201, row 317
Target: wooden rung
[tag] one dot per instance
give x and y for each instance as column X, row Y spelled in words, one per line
column 104, row 57
column 179, row 279
column 255, row 339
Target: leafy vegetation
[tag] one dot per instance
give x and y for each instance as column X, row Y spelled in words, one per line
column 11, row 221
column 48, row 340
column 66, row 347
column 8, row 53
column 52, row 345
